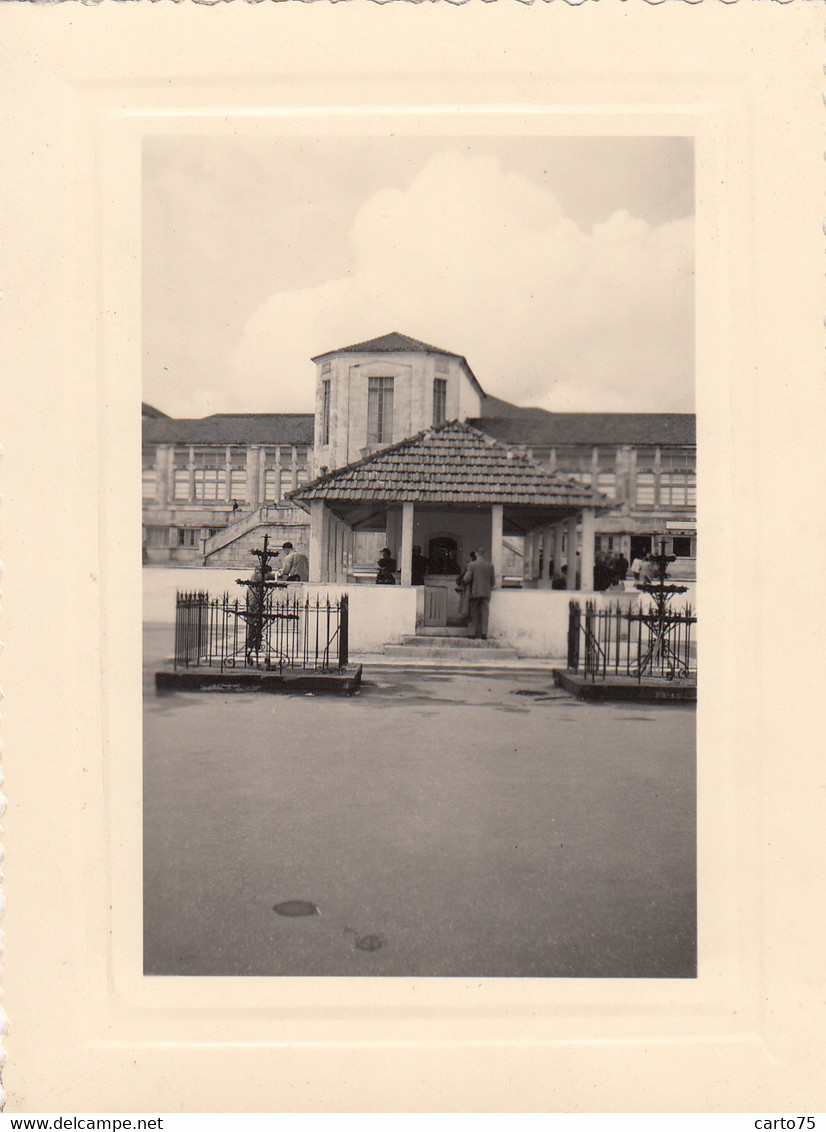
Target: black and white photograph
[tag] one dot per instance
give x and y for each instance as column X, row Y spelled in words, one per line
column 419, row 549
column 429, row 721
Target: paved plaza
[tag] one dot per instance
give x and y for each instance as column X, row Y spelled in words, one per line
column 435, row 824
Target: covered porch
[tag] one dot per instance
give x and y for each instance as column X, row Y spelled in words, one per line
column 450, row 491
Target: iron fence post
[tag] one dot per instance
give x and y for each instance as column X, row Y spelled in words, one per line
column 574, row 616
column 344, row 631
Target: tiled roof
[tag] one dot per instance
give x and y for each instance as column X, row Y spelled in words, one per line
column 451, row 464
column 232, row 428
column 390, row 343
column 394, row 343
column 540, row 427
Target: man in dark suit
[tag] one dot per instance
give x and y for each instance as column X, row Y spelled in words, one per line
column 480, row 578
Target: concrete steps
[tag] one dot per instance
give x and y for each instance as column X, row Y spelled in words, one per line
column 454, row 647
column 442, row 631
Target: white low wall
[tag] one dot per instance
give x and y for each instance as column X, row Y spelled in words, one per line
column 535, row 622
column 160, row 584
column 379, row 615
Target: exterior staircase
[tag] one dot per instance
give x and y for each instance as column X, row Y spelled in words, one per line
column 231, row 546
column 451, row 643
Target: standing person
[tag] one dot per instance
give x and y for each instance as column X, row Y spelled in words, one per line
column 418, row 567
column 295, row 567
column 464, row 591
column 636, row 566
column 601, row 575
column 480, row 577
column 386, row 575
column 648, row 570
column 255, row 611
column 620, row 567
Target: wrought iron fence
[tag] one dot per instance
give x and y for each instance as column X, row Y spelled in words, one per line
column 278, row 632
column 619, row 640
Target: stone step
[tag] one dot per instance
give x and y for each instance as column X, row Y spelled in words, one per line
column 442, row 631
column 446, row 641
column 479, row 654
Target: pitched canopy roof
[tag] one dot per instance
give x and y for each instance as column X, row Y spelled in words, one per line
column 454, row 464
column 232, row 428
column 396, row 343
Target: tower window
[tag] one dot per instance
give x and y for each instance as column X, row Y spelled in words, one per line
column 379, row 410
column 325, row 412
column 439, row 400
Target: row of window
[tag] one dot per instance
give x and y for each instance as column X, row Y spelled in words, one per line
column 215, row 474
column 186, row 538
column 653, row 489
column 681, row 546
column 668, row 489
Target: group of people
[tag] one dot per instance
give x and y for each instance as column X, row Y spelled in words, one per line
column 294, row 568
column 644, row 569
column 612, row 569
column 609, row 569
column 386, row 575
column 475, row 584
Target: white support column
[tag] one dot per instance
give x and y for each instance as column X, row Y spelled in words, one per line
column 559, row 532
column 162, row 484
column 253, row 453
column 228, row 474
column 262, row 477
column 341, row 572
column 329, row 541
column 588, row 541
column 335, row 531
column 496, row 555
column 407, row 545
column 546, row 554
column 317, row 548
column 393, row 532
column 527, row 556
column 571, row 555
column 351, row 551
column 170, row 476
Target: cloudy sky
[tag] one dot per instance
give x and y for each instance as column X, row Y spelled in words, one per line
column 562, row 268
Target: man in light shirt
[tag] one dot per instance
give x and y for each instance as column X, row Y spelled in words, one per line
column 295, row 567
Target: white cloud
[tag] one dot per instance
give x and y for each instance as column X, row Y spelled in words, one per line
column 484, row 263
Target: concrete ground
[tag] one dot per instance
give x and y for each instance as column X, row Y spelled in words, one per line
column 442, row 824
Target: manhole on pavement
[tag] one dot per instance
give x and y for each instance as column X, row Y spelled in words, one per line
column 369, row 942
column 295, row 908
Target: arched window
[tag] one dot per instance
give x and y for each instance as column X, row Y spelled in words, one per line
column 443, row 555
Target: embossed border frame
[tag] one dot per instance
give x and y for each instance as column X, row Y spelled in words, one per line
column 88, row 1031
